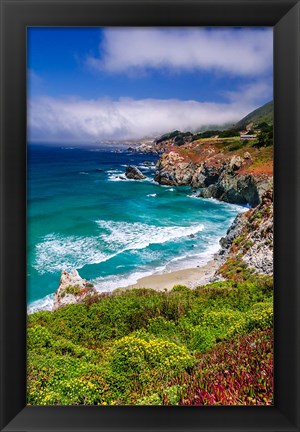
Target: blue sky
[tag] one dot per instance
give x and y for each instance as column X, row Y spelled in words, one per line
column 90, row 84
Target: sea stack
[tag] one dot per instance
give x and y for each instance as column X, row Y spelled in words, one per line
column 134, row 173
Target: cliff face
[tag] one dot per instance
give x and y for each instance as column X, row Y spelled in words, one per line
column 217, row 174
column 250, row 238
column 173, row 170
column 233, row 172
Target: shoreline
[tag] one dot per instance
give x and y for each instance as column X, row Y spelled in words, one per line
column 191, row 277
column 162, row 282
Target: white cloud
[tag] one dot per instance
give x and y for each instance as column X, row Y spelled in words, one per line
column 240, row 52
column 251, row 92
column 80, row 120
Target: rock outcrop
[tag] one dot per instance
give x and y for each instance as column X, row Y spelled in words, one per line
column 250, row 237
column 173, row 170
column 217, row 177
column 238, row 189
column 134, row 173
column 147, row 148
column 72, row 289
column 244, row 177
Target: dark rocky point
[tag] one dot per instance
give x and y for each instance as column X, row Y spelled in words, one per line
column 134, row 173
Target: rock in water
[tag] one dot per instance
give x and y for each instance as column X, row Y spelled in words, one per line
column 134, row 173
column 72, row 289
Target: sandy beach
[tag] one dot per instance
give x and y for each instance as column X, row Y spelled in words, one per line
column 190, row 277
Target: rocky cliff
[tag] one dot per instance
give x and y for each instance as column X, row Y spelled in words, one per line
column 241, row 177
column 234, row 172
column 250, row 239
column 72, row 289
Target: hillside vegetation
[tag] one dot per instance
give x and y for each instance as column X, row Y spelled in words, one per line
column 147, row 347
column 259, row 119
column 217, row 147
column 263, row 114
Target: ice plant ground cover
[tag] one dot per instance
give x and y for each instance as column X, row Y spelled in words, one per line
column 239, row 372
column 211, row 345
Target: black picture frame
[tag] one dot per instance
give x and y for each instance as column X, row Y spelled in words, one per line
column 16, row 15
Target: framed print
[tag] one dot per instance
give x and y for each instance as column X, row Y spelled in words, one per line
column 142, row 147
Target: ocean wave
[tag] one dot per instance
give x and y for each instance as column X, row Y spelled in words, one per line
column 110, row 283
column 46, row 303
column 127, row 236
column 117, row 177
column 194, row 259
column 56, row 253
column 152, row 195
column 145, row 167
column 122, row 177
column 231, row 207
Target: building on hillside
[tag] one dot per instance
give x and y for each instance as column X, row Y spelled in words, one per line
column 244, row 137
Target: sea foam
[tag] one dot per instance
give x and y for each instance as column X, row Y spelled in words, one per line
column 46, row 303
column 56, row 252
column 137, row 235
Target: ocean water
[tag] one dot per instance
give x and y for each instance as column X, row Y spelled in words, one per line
column 82, row 215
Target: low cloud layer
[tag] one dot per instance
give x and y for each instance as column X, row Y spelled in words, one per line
column 240, row 52
column 79, row 120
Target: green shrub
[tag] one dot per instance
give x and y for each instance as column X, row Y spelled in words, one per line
column 228, row 133
column 260, row 316
column 154, row 399
column 39, row 337
column 237, row 146
column 202, row 339
column 180, row 288
column 161, row 327
column 73, row 289
column 135, row 354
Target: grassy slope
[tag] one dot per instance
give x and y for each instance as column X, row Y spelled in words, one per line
column 260, row 115
column 215, row 151
column 145, row 347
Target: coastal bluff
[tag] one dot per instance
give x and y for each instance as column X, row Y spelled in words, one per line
column 217, row 175
column 234, row 172
column 249, row 239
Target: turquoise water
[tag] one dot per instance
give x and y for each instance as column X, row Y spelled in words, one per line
column 82, row 215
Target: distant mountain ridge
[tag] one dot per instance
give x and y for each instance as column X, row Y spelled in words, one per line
column 254, row 119
column 263, row 114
